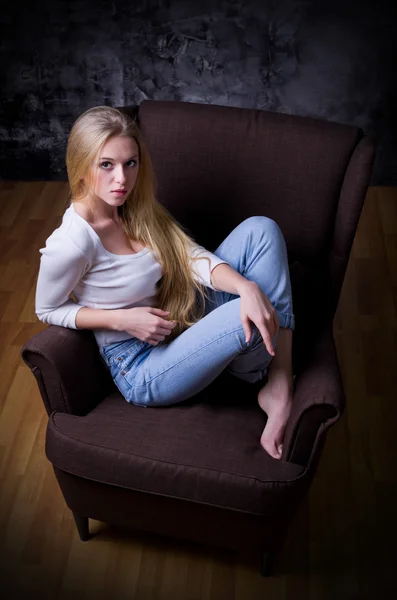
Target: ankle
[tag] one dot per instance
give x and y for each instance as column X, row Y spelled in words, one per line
column 280, row 378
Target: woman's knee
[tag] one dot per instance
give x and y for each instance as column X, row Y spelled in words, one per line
column 263, row 224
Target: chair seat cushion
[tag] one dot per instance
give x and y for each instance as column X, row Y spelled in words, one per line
column 206, row 449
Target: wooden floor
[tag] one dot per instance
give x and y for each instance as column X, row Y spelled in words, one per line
column 342, row 544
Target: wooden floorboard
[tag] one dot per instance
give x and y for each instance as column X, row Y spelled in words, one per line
column 342, row 542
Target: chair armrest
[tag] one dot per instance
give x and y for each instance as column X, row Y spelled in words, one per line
column 69, row 369
column 319, row 401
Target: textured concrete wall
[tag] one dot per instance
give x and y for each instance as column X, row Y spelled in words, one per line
column 326, row 59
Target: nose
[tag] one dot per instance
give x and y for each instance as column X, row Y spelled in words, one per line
column 120, row 175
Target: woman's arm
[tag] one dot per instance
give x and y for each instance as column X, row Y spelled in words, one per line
column 99, row 318
column 255, row 305
column 204, row 262
column 225, row 279
column 62, row 265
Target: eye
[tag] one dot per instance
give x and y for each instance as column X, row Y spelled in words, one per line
column 107, row 162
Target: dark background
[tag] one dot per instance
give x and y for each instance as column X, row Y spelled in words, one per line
column 326, row 59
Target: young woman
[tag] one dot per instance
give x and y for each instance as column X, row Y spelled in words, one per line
column 168, row 315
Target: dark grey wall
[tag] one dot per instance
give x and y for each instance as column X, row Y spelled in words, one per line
column 327, row 59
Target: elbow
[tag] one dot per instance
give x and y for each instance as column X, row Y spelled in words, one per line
column 46, row 314
column 43, row 316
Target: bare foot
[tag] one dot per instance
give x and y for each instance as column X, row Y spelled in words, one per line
column 275, row 399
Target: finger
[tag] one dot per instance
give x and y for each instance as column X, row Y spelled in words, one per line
column 246, row 328
column 267, row 340
column 272, row 325
column 159, row 311
column 276, row 321
column 156, row 339
column 167, row 327
column 163, row 332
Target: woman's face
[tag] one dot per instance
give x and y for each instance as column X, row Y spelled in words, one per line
column 116, row 168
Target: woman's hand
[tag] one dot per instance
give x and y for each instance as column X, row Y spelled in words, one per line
column 256, row 307
column 144, row 322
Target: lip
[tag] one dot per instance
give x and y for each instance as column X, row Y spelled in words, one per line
column 120, row 192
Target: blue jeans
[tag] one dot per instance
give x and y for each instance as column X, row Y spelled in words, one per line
column 166, row 374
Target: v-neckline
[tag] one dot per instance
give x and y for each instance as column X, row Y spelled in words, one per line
column 97, row 237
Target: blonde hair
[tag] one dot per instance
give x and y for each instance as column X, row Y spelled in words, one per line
column 142, row 217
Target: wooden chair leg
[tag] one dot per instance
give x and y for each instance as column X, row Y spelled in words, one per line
column 82, row 527
column 267, row 564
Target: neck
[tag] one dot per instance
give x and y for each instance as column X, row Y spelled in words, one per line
column 97, row 210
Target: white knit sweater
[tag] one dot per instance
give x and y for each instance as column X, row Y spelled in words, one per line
column 75, row 260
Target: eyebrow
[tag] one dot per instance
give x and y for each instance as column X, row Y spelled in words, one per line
column 107, row 158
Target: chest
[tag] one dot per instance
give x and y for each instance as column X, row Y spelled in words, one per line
column 116, row 241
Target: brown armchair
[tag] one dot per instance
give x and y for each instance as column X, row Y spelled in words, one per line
column 196, row 470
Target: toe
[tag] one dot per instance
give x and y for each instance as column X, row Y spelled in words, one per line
column 271, row 448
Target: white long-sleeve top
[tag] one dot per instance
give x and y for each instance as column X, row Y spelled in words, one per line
column 75, row 260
